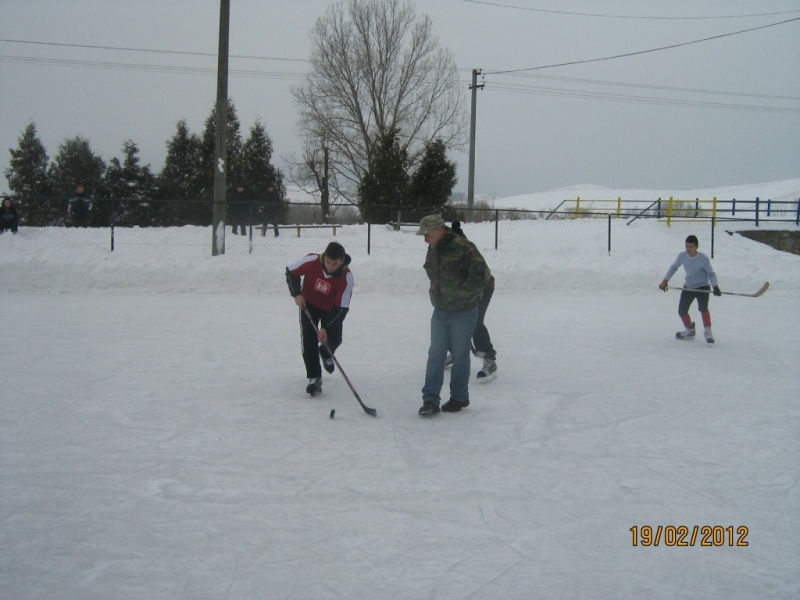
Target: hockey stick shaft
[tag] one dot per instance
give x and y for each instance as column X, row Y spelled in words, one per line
column 367, row 409
column 763, row 289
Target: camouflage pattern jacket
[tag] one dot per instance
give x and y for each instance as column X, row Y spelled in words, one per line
column 458, row 274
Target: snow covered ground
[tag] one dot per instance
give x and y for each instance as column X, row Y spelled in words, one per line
column 156, row 441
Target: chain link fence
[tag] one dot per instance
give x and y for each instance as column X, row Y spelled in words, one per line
column 182, row 228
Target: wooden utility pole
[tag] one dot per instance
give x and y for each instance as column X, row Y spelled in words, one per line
column 221, row 141
column 471, row 184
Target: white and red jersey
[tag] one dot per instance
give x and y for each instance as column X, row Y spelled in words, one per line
column 321, row 289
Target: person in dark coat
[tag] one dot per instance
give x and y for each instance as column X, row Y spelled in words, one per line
column 481, row 341
column 458, row 276
column 8, row 216
column 272, row 209
column 79, row 208
column 239, row 209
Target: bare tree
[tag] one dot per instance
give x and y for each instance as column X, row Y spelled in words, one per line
column 376, row 66
column 313, row 173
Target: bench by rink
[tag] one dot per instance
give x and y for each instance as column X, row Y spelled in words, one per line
column 263, row 229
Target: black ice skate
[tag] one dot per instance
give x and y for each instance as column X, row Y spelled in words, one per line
column 314, row 386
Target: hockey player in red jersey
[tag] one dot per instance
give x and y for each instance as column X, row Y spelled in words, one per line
column 325, row 291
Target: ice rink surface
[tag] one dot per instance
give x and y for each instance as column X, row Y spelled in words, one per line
column 161, row 445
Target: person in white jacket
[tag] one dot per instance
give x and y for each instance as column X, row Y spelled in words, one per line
column 699, row 274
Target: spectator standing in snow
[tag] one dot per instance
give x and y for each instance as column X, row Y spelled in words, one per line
column 239, row 208
column 481, row 340
column 699, row 274
column 8, row 216
column 79, row 208
column 458, row 276
column 272, row 209
column 327, row 286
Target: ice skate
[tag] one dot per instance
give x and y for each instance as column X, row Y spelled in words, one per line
column 708, row 335
column 314, row 386
column 488, row 371
column 686, row 334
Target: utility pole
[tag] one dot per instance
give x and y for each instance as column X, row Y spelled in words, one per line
column 471, row 185
column 221, row 141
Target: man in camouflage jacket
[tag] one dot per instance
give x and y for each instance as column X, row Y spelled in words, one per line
column 458, row 275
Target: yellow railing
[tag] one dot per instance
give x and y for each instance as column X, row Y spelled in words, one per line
column 675, row 209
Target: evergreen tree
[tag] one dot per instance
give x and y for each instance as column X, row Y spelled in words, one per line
column 130, row 185
column 386, row 182
column 433, row 182
column 74, row 164
column 233, row 150
column 179, row 180
column 27, row 178
column 255, row 170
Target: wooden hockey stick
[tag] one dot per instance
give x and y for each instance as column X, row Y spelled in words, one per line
column 370, row 411
column 763, row 289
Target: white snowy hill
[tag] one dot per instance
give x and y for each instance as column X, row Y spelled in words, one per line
column 786, row 189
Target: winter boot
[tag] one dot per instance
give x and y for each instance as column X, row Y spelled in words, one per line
column 488, row 371
column 709, row 336
column 428, row 408
column 686, row 334
column 314, row 386
column 454, row 405
column 327, row 361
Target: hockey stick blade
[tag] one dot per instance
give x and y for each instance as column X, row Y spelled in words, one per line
column 370, row 411
column 763, row 289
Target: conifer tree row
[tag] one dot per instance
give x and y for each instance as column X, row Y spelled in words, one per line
column 126, row 192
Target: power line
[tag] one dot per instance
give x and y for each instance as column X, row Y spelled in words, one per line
column 152, row 51
column 505, row 87
column 591, row 60
column 148, row 68
column 654, row 87
column 603, row 16
column 548, row 91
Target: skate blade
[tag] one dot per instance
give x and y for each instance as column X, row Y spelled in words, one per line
column 487, row 379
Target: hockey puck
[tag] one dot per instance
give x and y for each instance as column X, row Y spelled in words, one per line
column 333, row 412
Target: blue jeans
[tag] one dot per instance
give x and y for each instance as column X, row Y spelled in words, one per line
column 453, row 332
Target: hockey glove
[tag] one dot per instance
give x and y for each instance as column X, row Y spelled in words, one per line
column 717, row 291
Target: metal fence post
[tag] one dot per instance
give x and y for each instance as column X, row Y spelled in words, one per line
column 112, row 222
column 757, row 203
column 797, row 219
column 609, row 235
column 496, row 227
column 733, row 207
column 713, row 224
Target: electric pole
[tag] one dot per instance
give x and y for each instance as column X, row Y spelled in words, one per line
column 221, row 141
column 471, row 184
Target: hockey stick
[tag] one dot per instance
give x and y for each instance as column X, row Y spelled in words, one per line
column 763, row 289
column 368, row 410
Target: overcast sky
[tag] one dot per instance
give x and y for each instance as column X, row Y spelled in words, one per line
column 713, row 113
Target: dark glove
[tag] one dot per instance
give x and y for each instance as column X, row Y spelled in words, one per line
column 717, row 291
